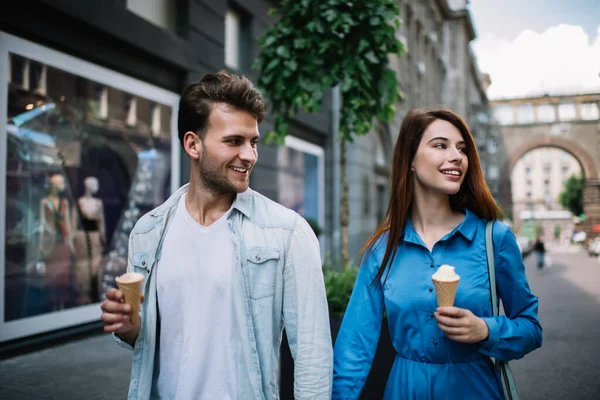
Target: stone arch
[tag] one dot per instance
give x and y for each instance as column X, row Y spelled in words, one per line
column 590, row 171
column 591, row 194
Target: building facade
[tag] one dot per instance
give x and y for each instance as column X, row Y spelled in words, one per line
column 437, row 69
column 89, row 109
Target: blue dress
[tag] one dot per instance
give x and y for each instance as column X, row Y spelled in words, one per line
column 428, row 365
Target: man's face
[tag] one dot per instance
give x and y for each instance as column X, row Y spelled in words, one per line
column 228, row 151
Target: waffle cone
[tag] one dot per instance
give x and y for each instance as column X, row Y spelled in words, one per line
column 130, row 285
column 445, row 292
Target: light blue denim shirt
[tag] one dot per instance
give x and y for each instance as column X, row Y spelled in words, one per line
column 277, row 283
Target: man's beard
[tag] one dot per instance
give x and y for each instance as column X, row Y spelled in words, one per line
column 211, row 179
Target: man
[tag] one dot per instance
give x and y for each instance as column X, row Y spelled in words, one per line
column 226, row 269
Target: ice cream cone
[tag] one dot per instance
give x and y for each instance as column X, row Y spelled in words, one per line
column 445, row 292
column 130, row 284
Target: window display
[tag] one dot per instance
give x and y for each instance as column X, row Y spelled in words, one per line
column 88, row 151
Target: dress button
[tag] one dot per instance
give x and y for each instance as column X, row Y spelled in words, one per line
column 430, row 289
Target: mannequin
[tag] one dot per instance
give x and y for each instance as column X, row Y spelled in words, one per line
column 90, row 239
column 55, row 246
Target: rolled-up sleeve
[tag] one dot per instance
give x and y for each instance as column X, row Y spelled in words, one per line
column 306, row 315
column 518, row 332
column 358, row 337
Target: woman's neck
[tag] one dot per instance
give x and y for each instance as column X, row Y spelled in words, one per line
column 431, row 212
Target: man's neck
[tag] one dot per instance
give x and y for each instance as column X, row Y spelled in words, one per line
column 204, row 206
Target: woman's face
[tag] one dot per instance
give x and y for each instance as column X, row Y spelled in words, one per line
column 440, row 163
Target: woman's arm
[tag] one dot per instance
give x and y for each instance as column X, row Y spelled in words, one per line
column 357, row 339
column 518, row 332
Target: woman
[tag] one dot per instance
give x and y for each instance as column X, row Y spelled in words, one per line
column 437, row 215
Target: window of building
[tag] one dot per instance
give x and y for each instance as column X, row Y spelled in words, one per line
column 300, row 178
column 492, row 145
column 528, row 170
column 86, row 134
column 529, row 195
column 238, row 40
column 546, row 113
column 589, row 111
column 567, row 111
column 160, row 12
column 493, row 172
column 565, row 170
column 504, row 114
column 525, row 113
column 529, row 183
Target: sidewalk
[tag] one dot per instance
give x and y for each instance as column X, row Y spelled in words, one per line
column 93, row 368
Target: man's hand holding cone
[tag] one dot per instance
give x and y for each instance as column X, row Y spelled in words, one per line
column 120, row 309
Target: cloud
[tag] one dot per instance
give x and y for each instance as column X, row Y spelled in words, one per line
column 563, row 59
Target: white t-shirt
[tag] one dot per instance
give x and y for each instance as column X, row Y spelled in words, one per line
column 198, row 331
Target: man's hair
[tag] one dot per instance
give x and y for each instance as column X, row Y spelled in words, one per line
column 198, row 99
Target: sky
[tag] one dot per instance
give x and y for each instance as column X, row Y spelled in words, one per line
column 533, row 47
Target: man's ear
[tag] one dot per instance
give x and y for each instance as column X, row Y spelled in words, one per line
column 192, row 144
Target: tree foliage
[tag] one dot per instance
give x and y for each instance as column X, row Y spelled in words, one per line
column 318, row 44
column 572, row 195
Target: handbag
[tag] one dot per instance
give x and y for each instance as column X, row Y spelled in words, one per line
column 508, row 380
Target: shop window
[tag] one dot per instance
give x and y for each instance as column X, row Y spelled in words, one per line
column 82, row 166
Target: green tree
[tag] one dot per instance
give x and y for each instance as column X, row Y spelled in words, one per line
column 318, row 44
column 571, row 197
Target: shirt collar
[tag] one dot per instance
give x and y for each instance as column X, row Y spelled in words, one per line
column 467, row 228
column 242, row 202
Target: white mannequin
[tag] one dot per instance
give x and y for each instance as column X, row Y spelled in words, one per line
column 90, row 239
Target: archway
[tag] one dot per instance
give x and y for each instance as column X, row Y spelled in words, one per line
column 591, row 195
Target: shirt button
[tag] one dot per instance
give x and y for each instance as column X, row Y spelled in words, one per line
column 435, row 342
column 431, row 315
column 144, row 263
column 430, row 289
column 431, row 265
column 257, row 258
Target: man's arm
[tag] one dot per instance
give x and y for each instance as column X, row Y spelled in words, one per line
column 306, row 315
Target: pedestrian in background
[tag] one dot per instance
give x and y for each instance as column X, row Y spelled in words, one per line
column 540, row 251
column 437, row 214
column 226, row 269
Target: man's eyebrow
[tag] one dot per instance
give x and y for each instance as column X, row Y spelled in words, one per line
column 238, row 136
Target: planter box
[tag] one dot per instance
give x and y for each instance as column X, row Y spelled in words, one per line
column 380, row 370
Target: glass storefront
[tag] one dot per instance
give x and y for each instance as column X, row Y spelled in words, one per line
column 87, row 152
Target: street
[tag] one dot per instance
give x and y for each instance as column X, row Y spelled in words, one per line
column 566, row 367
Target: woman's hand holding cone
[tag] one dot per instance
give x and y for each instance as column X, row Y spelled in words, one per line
column 461, row 325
